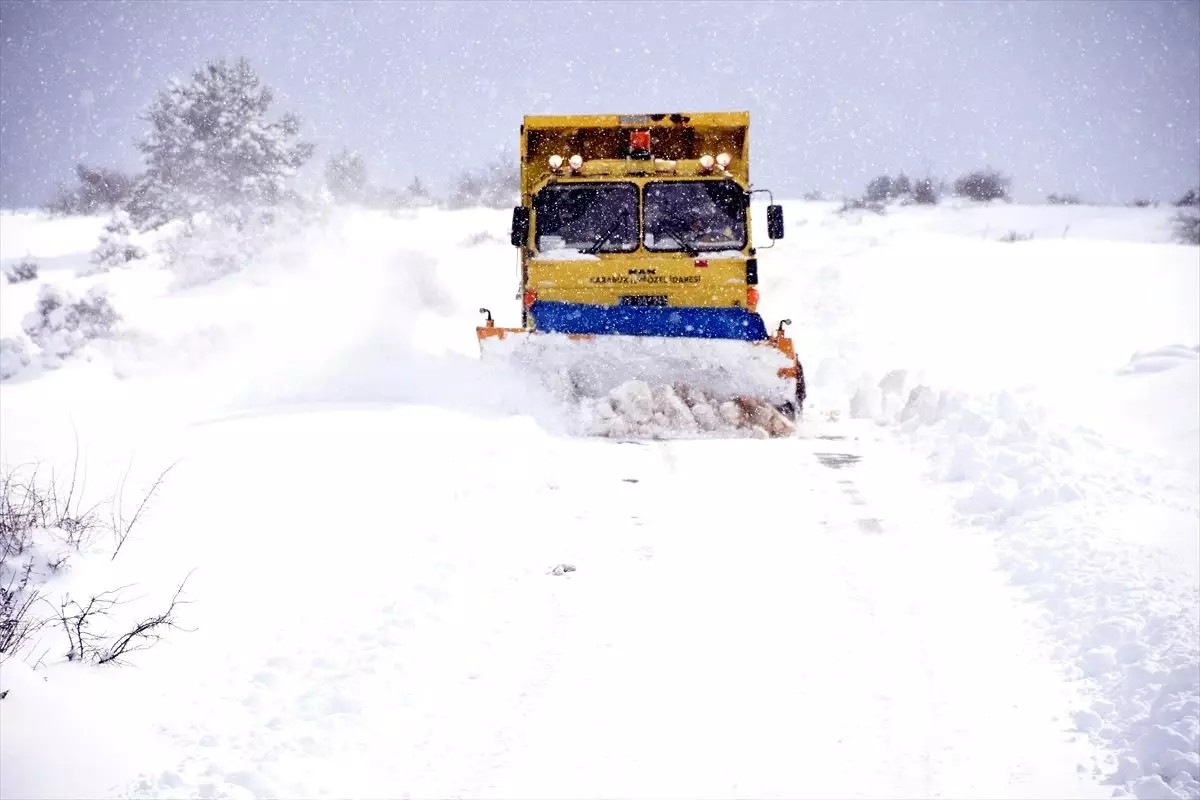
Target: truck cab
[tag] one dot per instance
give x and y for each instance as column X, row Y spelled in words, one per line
column 639, row 225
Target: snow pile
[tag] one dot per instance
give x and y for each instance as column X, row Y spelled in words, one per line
column 594, row 367
column 1006, row 367
column 1161, row 359
column 646, row 387
column 638, row 410
column 1078, row 523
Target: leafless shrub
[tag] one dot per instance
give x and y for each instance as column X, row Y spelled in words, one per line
column 88, row 645
column 43, row 524
column 1014, row 236
column 28, row 504
column 118, row 525
column 1063, row 199
column 17, row 597
column 40, row 527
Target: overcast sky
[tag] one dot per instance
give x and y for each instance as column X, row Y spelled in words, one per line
column 1098, row 98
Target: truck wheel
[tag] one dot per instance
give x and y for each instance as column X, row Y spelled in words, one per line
column 801, row 387
column 790, row 409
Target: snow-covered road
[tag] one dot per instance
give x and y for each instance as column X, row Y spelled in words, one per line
column 801, row 633
column 967, row 598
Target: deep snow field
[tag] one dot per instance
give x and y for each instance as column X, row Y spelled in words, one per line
column 973, row 572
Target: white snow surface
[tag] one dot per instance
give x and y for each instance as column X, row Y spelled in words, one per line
column 972, row 571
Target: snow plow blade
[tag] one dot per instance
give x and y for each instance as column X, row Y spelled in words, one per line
column 689, row 385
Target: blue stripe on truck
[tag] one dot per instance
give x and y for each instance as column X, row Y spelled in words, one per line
column 700, row 323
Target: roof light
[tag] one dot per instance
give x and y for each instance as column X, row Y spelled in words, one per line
column 576, row 162
column 706, row 162
column 724, row 160
column 556, row 162
column 639, row 140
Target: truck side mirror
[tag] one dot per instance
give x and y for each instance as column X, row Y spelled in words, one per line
column 520, row 226
column 775, row 222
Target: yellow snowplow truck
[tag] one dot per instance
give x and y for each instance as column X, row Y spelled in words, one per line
column 637, row 261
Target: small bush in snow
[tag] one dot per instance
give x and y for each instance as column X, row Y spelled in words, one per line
column 39, row 530
column 115, row 248
column 983, row 185
column 24, row 270
column 496, row 185
column 61, row 325
column 1190, row 198
column 879, row 190
column 346, row 177
column 860, row 204
column 925, row 192
column 1142, row 203
column 213, row 245
column 42, row 528
column 14, row 357
column 813, row 196
column 1187, row 227
column 210, row 146
column 885, row 189
column 1063, row 199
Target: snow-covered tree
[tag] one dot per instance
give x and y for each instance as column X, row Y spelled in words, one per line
column 210, row 147
column 346, row 176
column 115, row 248
column 99, row 189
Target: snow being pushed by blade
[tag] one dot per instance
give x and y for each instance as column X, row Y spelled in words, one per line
column 637, row 410
column 650, row 387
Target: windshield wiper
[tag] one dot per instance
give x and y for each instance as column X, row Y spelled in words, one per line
column 608, row 233
column 688, row 246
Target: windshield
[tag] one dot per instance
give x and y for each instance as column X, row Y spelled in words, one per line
column 587, row 217
column 695, row 216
